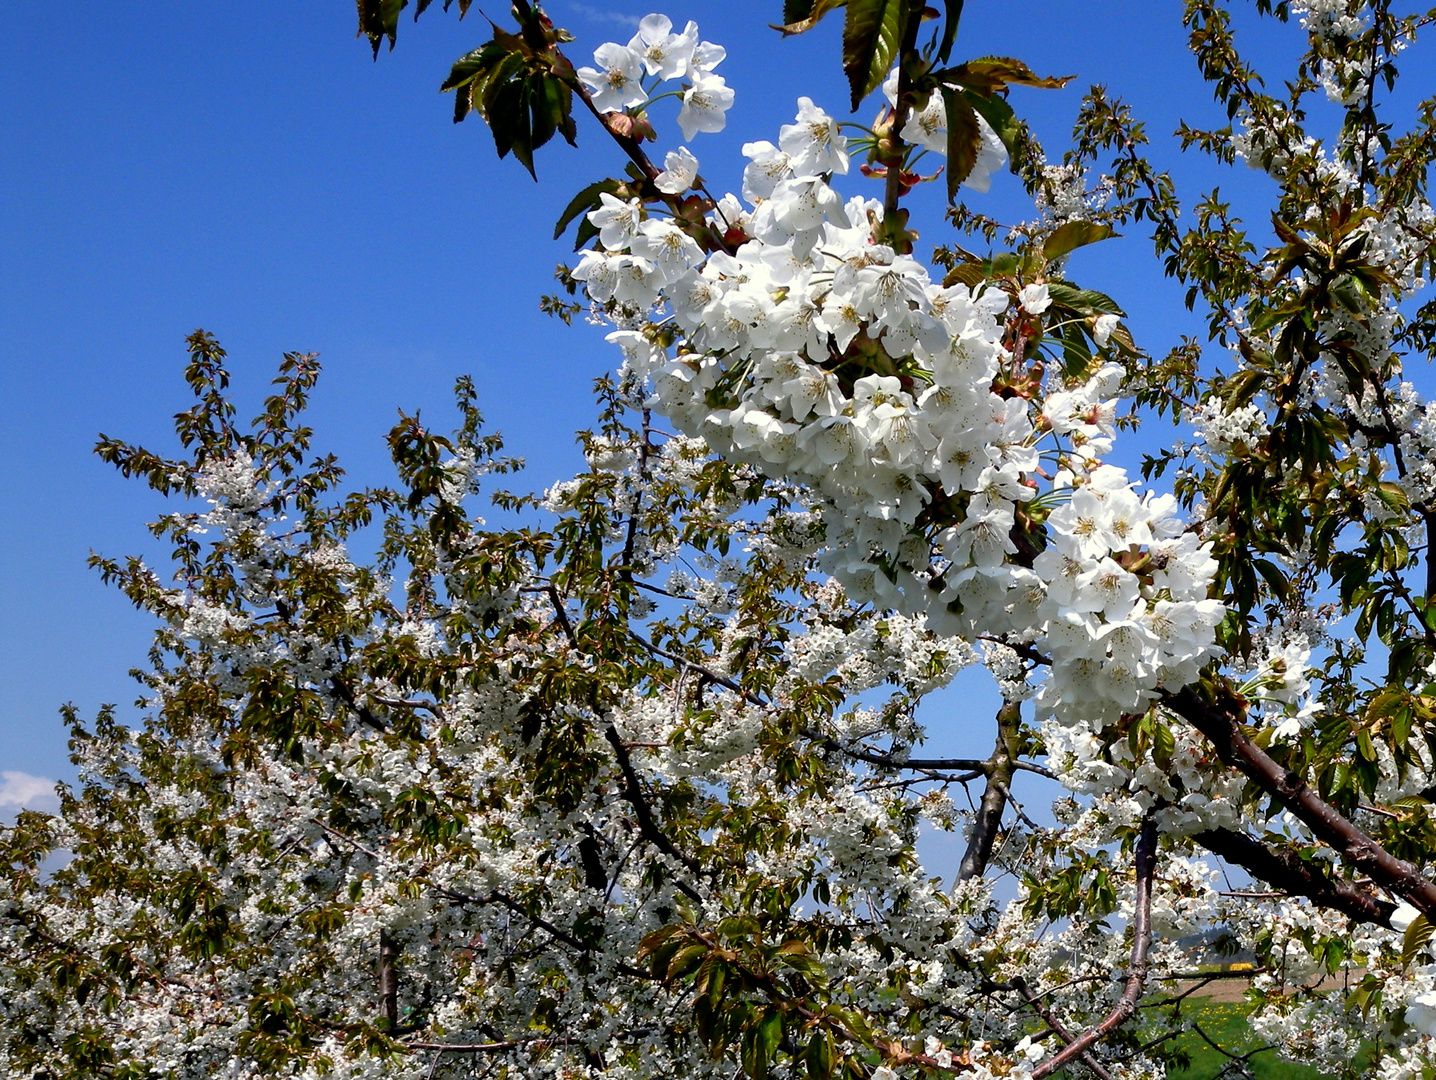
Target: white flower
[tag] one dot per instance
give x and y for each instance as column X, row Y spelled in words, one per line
column 617, row 221
column 615, row 83
column 704, row 105
column 706, row 56
column 671, row 249
column 767, row 165
column 1421, row 1013
column 680, row 169
column 814, row 144
column 663, row 53
column 1403, row 917
column 1102, row 329
column 1034, row 299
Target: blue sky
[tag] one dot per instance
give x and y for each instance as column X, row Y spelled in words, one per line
column 249, row 169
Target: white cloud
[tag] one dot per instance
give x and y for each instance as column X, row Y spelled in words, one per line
column 595, row 14
column 21, row 791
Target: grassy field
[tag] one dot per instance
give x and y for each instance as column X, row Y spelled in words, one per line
column 1228, row 1027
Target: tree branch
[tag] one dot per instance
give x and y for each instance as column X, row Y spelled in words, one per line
column 389, row 979
column 893, row 191
column 558, row 934
column 1136, row 971
column 708, row 673
column 1296, row 876
column 1220, row 720
column 465, row 1048
column 633, row 792
column 1057, row 1026
column 994, row 795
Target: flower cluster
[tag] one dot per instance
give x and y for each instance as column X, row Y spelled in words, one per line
column 816, row 353
column 1126, row 606
column 616, row 83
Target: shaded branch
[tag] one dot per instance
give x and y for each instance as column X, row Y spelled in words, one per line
column 465, row 1048
column 1296, row 876
column 555, row 932
column 366, row 715
column 633, row 792
column 389, row 978
column 708, row 673
column 994, row 795
column 1146, row 854
column 1220, row 720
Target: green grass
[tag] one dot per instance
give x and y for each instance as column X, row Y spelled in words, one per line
column 1226, row 1024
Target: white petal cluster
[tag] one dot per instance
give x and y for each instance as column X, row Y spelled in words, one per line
column 1228, row 434
column 927, row 127
column 616, row 81
column 1126, row 609
column 765, row 336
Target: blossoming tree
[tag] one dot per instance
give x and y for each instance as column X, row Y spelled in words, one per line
column 635, row 792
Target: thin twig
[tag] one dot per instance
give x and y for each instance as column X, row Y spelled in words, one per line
column 1057, row 1027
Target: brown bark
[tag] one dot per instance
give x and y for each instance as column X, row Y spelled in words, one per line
column 999, row 769
column 1146, row 856
column 389, row 979
column 1292, row 874
column 1219, row 717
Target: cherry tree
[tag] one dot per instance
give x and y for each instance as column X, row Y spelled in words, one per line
column 634, row 789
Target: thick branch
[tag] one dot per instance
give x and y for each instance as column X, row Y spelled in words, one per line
column 1220, row 720
column 389, row 978
column 1296, row 876
column 647, row 826
column 1136, row 970
column 1058, row 1028
column 358, row 708
column 994, row 796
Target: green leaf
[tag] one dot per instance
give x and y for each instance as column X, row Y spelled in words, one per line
column 473, row 65
column 1242, row 387
column 1001, row 119
column 872, row 36
column 1276, row 580
column 585, row 200
column 379, row 19
column 542, row 120
column 964, row 139
column 503, row 78
column 1083, row 301
column 970, row 274
column 991, row 73
column 1417, row 935
column 685, row 960
column 559, row 97
column 1072, row 235
column 1164, row 745
column 759, row 1043
column 953, row 12
column 814, row 12
column 819, row 1056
